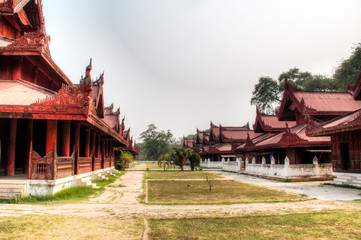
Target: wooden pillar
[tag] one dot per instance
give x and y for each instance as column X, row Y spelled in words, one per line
column 93, row 141
column 29, row 139
column 76, row 143
column 35, row 75
column 16, row 73
column 10, row 165
column 93, row 135
column 98, row 145
column 87, row 143
column 103, row 153
column 106, row 148
column 65, row 139
column 51, row 135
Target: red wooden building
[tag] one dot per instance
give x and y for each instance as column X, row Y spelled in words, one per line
column 345, row 132
column 50, row 128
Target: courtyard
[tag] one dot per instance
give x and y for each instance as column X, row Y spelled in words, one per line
column 120, row 212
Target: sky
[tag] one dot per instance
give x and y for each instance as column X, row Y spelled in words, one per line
column 183, row 63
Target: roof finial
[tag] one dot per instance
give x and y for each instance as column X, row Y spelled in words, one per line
column 89, row 68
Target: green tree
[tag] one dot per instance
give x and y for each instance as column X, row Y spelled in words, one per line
column 166, row 161
column 349, row 69
column 155, row 143
column 194, row 160
column 122, row 159
column 267, row 92
column 180, row 156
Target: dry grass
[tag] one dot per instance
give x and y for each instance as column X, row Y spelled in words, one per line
column 181, row 175
column 223, row 192
column 69, row 227
column 326, row 225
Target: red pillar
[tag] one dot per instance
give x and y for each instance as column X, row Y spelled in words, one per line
column 76, row 143
column 65, row 139
column 98, row 145
column 29, row 139
column 106, row 148
column 51, row 135
column 16, row 73
column 87, row 143
column 103, row 153
column 93, row 138
column 10, row 165
column 93, row 149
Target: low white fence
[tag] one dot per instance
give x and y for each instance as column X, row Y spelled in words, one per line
column 207, row 163
column 288, row 170
column 285, row 170
column 225, row 164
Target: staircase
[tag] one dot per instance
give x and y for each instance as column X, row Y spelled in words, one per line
column 13, row 189
column 86, row 182
column 347, row 179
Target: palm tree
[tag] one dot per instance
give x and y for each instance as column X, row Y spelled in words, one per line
column 180, row 156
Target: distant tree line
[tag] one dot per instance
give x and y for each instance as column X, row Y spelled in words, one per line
column 268, row 91
column 155, row 143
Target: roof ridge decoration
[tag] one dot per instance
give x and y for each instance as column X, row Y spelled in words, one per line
column 288, row 137
column 32, row 39
column 100, row 80
column 355, row 89
column 77, row 95
column 249, row 143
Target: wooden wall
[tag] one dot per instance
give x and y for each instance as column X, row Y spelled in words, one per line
column 353, row 142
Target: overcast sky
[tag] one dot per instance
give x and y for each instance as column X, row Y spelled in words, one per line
column 183, row 63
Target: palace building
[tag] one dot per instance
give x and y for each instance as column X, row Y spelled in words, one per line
column 53, row 133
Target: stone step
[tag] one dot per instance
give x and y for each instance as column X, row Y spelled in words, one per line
column 11, row 190
column 94, row 186
column 4, row 186
column 9, row 196
column 344, row 177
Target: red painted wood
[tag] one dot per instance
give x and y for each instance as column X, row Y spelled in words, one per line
column 87, row 143
column 10, row 166
column 29, row 138
column 65, row 139
column 51, row 135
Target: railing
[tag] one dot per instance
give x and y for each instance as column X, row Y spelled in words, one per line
column 64, row 166
column 106, row 162
column 97, row 163
column 41, row 167
column 84, row 165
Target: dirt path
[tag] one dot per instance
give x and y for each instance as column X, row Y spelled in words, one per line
column 124, row 202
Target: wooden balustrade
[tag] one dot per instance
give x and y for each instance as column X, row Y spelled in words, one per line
column 97, row 163
column 85, row 164
column 64, row 166
column 106, row 162
column 41, row 167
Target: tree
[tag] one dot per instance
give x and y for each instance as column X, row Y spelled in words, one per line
column 155, row 143
column 166, row 161
column 194, row 160
column 349, row 69
column 122, row 159
column 180, row 156
column 267, row 92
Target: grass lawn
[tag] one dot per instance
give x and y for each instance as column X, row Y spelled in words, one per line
column 73, row 194
column 326, row 225
column 223, row 192
column 181, row 175
column 69, row 227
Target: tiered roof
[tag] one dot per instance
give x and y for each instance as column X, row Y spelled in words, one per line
column 40, row 90
column 345, row 123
